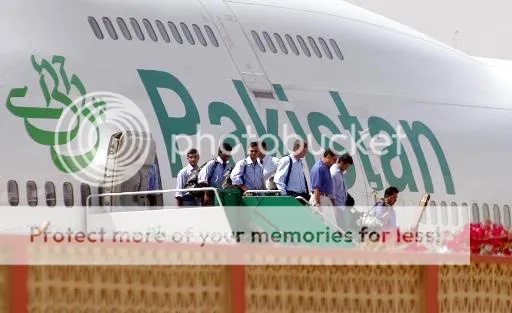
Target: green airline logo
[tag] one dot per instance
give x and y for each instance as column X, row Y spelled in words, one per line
column 58, row 89
column 186, row 124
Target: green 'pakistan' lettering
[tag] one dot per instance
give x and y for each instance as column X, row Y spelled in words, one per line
column 187, row 125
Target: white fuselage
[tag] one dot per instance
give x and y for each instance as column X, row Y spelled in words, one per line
column 387, row 75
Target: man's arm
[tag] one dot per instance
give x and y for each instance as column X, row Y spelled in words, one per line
column 316, row 183
column 180, row 184
column 202, row 177
column 335, row 187
column 236, row 175
column 280, row 176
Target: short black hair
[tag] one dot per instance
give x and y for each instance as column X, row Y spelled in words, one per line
column 192, row 151
column 329, row 152
column 254, row 144
column 226, row 147
column 299, row 143
column 346, row 159
column 391, row 191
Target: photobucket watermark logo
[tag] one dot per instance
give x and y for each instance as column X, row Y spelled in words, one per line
column 102, row 137
column 352, row 141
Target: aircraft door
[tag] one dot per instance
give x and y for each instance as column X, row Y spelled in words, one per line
column 240, row 50
column 131, row 164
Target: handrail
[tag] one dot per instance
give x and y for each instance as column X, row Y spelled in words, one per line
column 322, row 215
column 149, row 192
column 261, row 191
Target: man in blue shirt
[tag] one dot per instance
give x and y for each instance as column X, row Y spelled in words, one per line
column 321, row 181
column 290, row 178
column 212, row 174
column 248, row 173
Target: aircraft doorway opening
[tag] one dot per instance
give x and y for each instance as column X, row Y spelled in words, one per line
column 132, row 165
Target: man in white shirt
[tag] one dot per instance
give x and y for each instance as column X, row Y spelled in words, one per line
column 290, row 178
column 339, row 194
column 269, row 163
column 248, row 173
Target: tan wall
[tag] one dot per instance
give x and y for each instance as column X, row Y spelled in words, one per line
column 479, row 288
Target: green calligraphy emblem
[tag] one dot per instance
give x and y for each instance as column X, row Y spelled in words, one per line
column 58, row 89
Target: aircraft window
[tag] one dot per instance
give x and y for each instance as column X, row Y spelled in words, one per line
column 163, row 31
column 175, row 32
column 85, row 191
column 336, row 49
column 150, row 29
column 95, row 27
column 31, row 193
column 270, row 43
column 496, row 214
column 211, row 35
column 258, row 41
column 281, row 44
column 444, row 213
column 455, row 214
column 325, row 47
column 137, row 29
column 487, row 213
column 475, row 215
column 68, row 194
column 188, row 34
column 49, row 190
column 433, row 212
column 12, row 193
column 303, row 45
column 313, row 44
column 199, row 34
column 506, row 216
column 110, row 28
column 292, row 44
column 124, row 29
column 465, row 213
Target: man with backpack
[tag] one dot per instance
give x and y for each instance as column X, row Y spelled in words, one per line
column 384, row 208
column 187, row 198
column 290, row 178
column 248, row 173
column 213, row 172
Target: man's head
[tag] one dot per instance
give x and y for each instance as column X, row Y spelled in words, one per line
column 225, row 151
column 345, row 162
column 300, row 148
column 390, row 194
column 329, row 157
column 262, row 150
column 254, row 151
column 192, row 157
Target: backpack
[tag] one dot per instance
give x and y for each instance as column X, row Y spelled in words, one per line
column 226, row 179
column 193, row 180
